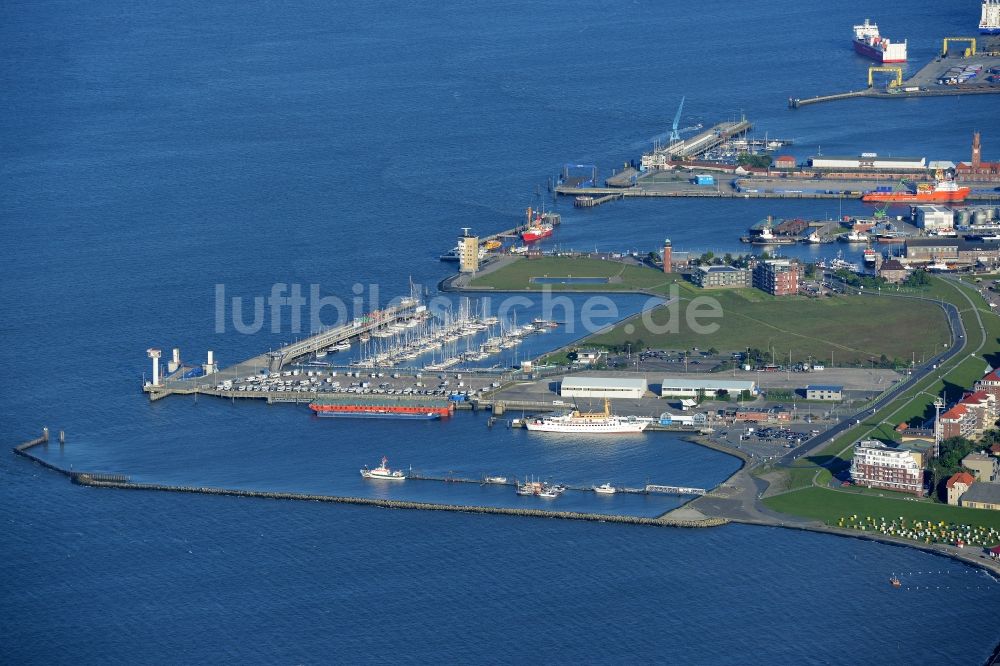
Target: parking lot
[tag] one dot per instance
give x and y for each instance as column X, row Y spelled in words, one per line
column 304, row 380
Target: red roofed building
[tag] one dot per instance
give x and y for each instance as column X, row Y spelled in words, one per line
column 956, row 422
column 990, row 383
column 784, row 162
column 983, row 407
column 977, row 169
column 972, row 416
column 956, row 485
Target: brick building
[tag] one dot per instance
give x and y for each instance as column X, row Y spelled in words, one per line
column 977, row 169
column 779, row 277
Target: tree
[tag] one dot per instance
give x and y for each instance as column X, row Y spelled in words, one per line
column 918, row 278
column 949, row 462
column 762, row 161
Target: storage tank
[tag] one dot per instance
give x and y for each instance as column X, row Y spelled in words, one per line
column 962, row 217
column 979, row 217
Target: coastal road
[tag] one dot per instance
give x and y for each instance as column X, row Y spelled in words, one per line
column 959, row 342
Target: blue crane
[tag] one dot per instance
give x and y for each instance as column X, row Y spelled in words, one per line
column 675, row 134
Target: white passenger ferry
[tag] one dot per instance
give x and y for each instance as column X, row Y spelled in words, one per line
column 583, row 422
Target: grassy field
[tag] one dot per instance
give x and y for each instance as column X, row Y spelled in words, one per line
column 830, row 506
column 915, row 404
column 517, row 275
column 842, row 330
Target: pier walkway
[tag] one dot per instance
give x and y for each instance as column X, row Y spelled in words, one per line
column 275, row 360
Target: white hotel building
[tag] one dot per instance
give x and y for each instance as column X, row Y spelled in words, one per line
column 876, row 465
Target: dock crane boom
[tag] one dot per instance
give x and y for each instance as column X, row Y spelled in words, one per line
column 675, row 135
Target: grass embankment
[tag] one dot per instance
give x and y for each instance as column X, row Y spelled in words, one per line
column 807, row 478
column 978, row 526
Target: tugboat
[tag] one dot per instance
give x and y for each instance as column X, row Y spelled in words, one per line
column 383, row 472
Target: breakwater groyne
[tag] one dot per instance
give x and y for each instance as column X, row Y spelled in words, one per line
column 88, row 480
column 122, row 482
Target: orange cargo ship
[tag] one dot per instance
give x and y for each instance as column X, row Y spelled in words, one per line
column 944, row 191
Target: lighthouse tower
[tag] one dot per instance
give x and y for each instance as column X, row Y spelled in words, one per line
column 667, row 256
column 155, row 354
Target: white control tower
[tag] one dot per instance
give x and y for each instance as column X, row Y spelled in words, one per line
column 155, row 354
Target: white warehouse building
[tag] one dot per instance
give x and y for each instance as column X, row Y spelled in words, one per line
column 870, row 161
column 934, row 218
column 603, row 387
column 677, row 387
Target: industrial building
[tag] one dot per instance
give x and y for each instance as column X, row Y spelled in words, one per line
column 934, row 218
column 720, row 277
column 950, row 249
column 677, row 387
column 869, row 162
column 603, row 387
column 778, row 277
column 824, row 392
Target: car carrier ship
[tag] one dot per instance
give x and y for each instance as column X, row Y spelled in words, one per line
column 869, row 43
column 989, row 23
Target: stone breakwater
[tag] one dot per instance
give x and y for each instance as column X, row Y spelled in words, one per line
column 122, row 482
column 85, row 479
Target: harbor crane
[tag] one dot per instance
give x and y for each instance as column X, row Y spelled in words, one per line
column 971, row 51
column 898, row 71
column 675, row 134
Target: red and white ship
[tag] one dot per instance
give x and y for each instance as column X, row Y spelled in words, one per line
column 943, row 191
column 869, row 43
column 536, row 228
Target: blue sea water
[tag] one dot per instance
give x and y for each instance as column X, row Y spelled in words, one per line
column 152, row 152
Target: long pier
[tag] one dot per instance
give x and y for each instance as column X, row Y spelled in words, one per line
column 696, row 145
column 274, row 361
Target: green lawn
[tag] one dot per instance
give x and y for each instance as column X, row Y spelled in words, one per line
column 849, row 329
column 517, row 275
column 829, row 506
